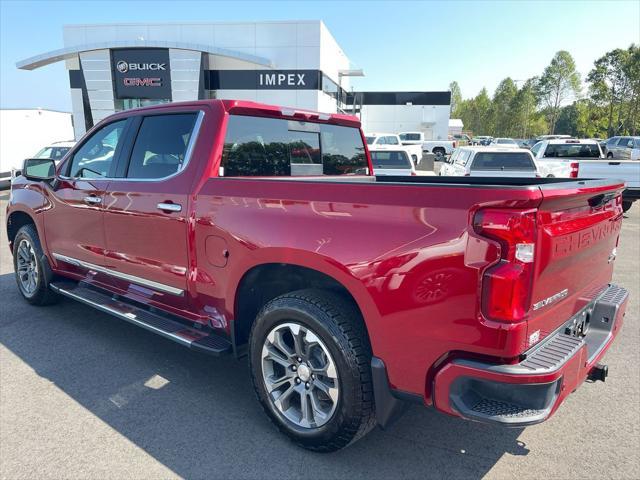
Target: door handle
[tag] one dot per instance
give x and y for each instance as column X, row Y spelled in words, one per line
column 170, row 207
column 92, row 199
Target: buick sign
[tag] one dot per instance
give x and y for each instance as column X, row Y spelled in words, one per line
column 141, row 73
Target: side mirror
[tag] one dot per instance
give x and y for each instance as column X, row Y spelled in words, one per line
column 39, row 169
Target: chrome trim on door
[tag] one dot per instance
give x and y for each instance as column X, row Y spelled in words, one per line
column 122, row 276
column 92, row 199
column 171, row 207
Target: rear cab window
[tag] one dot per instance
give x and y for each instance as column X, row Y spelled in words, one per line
column 268, row 147
column 501, row 161
column 574, row 150
column 390, row 159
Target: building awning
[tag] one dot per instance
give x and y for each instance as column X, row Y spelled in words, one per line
column 54, row 56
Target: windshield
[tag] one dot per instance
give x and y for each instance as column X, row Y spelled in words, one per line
column 370, row 140
column 55, row 153
column 388, row 159
column 410, row 136
column 579, row 150
column 503, row 161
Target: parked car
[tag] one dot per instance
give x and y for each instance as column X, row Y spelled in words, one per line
column 439, row 148
column 558, row 157
column 623, row 148
column 55, row 151
column 391, row 162
column 481, row 140
column 461, row 139
column 391, row 140
column 490, row 161
column 576, row 158
column 504, row 143
column 542, row 138
column 349, row 294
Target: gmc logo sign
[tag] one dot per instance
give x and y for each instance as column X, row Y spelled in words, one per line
column 142, row 82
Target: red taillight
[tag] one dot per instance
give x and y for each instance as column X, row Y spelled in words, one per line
column 574, row 170
column 413, row 174
column 506, row 286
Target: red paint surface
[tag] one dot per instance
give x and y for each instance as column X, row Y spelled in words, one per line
column 408, row 254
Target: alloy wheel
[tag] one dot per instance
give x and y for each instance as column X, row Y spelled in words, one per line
column 27, row 267
column 300, row 375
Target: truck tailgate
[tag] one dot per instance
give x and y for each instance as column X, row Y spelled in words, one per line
column 578, row 228
column 626, row 170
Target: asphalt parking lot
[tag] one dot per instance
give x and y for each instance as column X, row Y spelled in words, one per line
column 83, row 395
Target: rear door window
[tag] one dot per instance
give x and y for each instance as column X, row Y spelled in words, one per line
column 160, row 149
column 502, row 161
column 266, row 147
column 392, row 140
column 624, row 141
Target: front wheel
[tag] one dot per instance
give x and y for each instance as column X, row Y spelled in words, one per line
column 311, row 368
column 626, row 205
column 609, row 155
column 32, row 275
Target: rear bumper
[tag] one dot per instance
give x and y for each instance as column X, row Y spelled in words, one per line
column 529, row 392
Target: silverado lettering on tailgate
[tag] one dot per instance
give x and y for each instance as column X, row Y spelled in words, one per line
column 572, row 242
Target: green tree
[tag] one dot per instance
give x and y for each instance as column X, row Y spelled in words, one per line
column 502, row 107
column 456, row 98
column 559, row 82
column 610, row 86
column 632, row 71
column 523, row 110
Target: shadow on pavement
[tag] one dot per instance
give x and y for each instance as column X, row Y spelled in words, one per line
column 206, row 421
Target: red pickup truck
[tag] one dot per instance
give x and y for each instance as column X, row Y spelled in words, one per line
column 238, row 228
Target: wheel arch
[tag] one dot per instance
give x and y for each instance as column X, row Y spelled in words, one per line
column 264, row 281
column 18, row 219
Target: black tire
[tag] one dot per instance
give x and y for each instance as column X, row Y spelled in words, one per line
column 609, row 155
column 42, row 294
column 551, row 176
column 338, row 324
column 439, row 152
column 626, row 205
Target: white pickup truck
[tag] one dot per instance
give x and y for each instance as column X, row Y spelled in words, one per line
column 391, row 140
column 440, row 148
column 579, row 158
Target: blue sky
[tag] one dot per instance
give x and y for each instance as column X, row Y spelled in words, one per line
column 400, row 45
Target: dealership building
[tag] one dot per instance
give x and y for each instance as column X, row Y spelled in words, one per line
column 299, row 64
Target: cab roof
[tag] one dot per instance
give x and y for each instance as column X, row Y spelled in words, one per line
column 245, row 107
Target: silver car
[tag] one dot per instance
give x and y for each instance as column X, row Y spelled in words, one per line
column 623, row 148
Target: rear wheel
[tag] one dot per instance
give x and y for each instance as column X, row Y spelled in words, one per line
column 439, row 152
column 32, row 275
column 311, row 368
